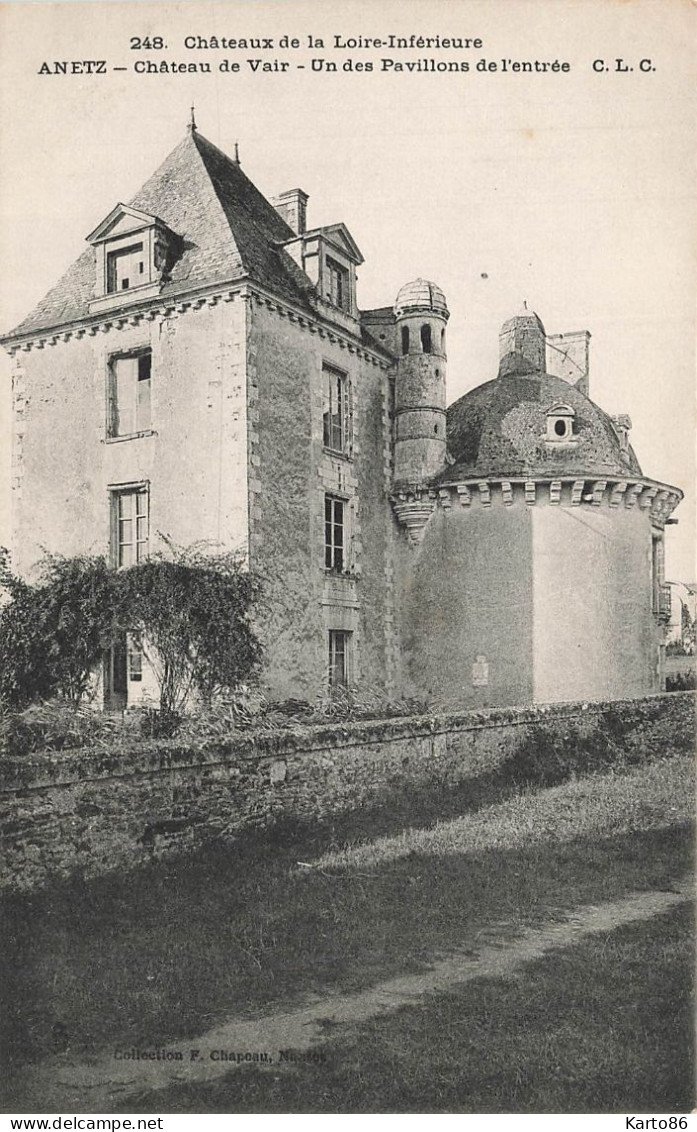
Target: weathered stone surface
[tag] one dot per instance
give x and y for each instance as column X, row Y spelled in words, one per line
column 86, row 813
column 524, row 546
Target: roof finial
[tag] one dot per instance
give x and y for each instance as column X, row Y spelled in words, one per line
column 237, row 153
column 525, row 304
column 192, row 123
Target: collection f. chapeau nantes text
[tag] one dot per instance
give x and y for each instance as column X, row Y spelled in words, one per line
column 239, row 1057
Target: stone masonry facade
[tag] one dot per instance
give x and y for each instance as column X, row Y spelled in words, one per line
column 203, row 372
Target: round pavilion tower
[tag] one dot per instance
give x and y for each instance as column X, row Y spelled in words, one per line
column 537, row 575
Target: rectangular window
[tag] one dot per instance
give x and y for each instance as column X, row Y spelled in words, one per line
column 656, row 572
column 135, row 660
column 130, row 524
column 125, row 268
column 337, row 433
column 339, row 658
column 335, row 534
column 660, row 590
column 337, row 284
column 130, row 381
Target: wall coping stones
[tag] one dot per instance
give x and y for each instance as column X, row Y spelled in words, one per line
column 151, row 757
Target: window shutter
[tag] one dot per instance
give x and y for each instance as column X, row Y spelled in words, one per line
column 348, row 417
column 126, row 379
column 143, row 393
column 114, row 529
column 112, row 401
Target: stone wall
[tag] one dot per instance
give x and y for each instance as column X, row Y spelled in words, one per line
column 290, row 473
column 88, row 812
column 594, row 632
column 522, row 591
column 234, row 459
column 195, row 450
column 467, row 612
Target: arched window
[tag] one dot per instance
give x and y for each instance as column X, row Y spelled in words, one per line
column 405, row 339
column 442, row 340
column 426, row 344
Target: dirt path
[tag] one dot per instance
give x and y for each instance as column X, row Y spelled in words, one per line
column 64, row 1084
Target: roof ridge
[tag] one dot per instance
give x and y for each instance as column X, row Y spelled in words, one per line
column 233, row 168
column 187, row 143
column 229, row 231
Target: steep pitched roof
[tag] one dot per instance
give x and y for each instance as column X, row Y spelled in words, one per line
column 229, row 232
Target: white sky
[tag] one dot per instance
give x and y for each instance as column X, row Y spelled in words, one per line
column 572, row 191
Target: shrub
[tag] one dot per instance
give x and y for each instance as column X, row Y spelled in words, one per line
column 59, row 725
column 53, row 633
column 192, row 612
column 681, row 681
column 231, row 715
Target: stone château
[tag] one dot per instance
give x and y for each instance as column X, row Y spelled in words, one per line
column 204, row 371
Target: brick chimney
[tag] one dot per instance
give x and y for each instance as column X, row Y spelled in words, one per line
column 292, row 206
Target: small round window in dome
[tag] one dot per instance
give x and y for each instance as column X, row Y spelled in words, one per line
column 561, row 420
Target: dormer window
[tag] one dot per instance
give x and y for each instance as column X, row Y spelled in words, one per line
column 329, row 257
column 125, row 268
column 561, row 425
column 338, row 292
column 134, row 254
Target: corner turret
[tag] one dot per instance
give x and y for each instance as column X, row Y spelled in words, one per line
column 421, row 314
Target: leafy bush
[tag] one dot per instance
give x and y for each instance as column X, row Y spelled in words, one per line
column 190, row 610
column 676, row 648
column 53, row 633
column 681, row 681
column 192, row 613
column 233, row 715
column 59, row 725
column 362, row 703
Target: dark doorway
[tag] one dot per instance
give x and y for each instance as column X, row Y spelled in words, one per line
column 116, row 676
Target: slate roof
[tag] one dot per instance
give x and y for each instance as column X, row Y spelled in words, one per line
column 498, row 430
column 229, row 231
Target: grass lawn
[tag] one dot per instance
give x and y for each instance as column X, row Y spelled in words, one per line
column 176, row 947
column 604, row 1026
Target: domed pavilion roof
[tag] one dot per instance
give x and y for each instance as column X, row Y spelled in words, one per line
column 505, row 428
column 420, row 295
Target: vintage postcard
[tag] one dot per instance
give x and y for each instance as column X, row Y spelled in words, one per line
column 347, row 532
